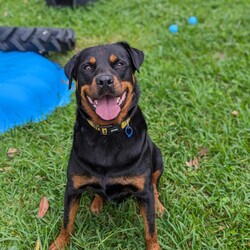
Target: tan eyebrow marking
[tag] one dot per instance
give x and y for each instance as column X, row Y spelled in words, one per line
column 92, row 60
column 113, row 58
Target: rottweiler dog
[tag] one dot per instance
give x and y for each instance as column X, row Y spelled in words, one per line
column 112, row 154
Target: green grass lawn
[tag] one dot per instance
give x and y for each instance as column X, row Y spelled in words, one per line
column 191, row 82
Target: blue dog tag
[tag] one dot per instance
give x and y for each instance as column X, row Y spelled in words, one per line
column 128, row 131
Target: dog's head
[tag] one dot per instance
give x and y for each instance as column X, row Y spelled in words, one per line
column 105, row 81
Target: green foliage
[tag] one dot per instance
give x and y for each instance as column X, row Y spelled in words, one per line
column 190, row 82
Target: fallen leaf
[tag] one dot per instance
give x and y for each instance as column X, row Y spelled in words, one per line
column 189, row 163
column 193, row 163
column 5, row 169
column 235, row 113
column 221, row 228
column 11, row 152
column 43, row 207
column 38, row 245
column 190, row 243
column 203, row 152
column 220, row 56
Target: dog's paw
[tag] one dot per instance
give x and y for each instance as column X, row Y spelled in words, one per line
column 55, row 246
column 153, row 246
column 61, row 241
column 160, row 209
column 97, row 204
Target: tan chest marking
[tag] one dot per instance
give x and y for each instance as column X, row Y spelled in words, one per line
column 137, row 181
column 82, row 180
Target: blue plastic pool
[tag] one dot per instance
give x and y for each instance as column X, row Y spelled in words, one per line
column 31, row 87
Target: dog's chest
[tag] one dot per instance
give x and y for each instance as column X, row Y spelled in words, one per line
column 101, row 154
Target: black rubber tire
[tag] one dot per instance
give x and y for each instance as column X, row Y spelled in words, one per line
column 67, row 3
column 41, row 40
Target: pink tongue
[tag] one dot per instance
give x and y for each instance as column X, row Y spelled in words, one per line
column 107, row 108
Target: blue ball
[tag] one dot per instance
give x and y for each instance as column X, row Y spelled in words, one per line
column 173, row 28
column 192, row 20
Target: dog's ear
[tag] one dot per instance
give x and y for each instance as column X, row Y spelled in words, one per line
column 136, row 55
column 70, row 68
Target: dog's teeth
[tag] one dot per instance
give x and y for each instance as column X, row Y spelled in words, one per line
column 96, row 102
column 118, row 100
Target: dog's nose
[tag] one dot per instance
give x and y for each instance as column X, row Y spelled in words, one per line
column 104, row 80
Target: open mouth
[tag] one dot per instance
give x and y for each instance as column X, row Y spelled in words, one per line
column 108, row 107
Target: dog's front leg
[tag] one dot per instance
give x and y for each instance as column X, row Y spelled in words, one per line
column 147, row 209
column 71, row 204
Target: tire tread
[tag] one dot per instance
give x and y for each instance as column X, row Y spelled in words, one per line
column 36, row 39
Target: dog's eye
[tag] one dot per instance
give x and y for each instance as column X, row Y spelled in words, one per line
column 119, row 64
column 87, row 67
